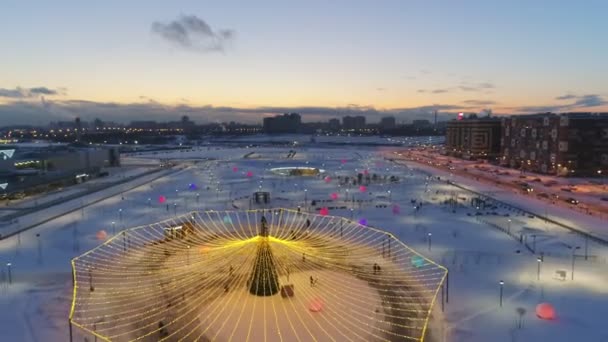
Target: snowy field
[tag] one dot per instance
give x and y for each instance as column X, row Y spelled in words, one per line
column 476, row 248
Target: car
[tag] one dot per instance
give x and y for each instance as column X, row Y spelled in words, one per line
column 605, row 199
column 572, row 200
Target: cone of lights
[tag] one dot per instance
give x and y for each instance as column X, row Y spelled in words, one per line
column 258, row 276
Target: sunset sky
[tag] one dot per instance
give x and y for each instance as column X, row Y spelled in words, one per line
column 241, row 60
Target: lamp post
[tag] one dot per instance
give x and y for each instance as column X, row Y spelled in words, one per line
column 120, row 214
column 429, row 239
column 351, row 213
column 113, row 228
column 10, row 275
column 502, row 283
column 538, row 261
column 390, row 198
column 573, row 257
column 509, row 226
column 586, row 246
column 306, row 199
column 188, row 254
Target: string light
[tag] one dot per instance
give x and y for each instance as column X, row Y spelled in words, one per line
column 191, row 278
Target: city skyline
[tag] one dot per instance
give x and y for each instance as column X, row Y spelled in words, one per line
column 243, row 61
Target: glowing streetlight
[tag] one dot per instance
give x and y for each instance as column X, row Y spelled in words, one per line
column 10, row 275
column 429, row 239
column 502, row 283
column 538, row 261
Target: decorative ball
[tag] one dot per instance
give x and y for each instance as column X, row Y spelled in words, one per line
column 545, row 311
column 363, row 222
column 327, row 179
column 235, row 169
column 324, row 211
column 417, row 261
column 362, row 188
column 316, row 305
column 101, row 235
column 249, row 174
column 334, row 196
column 162, row 199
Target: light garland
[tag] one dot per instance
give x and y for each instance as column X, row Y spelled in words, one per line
column 192, row 278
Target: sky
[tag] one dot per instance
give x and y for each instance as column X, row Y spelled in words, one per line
column 243, row 60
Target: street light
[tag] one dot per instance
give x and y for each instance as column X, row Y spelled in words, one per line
column 429, row 235
column 538, row 261
column 10, row 275
column 502, row 283
column 120, row 214
column 509, row 225
column 389, row 196
column 573, row 252
column 113, row 228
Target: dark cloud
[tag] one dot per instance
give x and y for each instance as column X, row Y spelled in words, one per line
column 580, row 102
column 439, row 91
column 192, row 33
column 476, row 87
column 592, row 100
column 22, row 93
column 29, row 112
column 566, row 97
column 479, row 102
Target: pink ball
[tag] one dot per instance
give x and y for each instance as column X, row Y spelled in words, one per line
column 235, row 169
column 343, row 161
column 162, row 199
column 324, row 211
column 545, row 311
column 396, row 209
column 101, row 235
column 334, row 196
column 316, row 305
column 362, row 188
column 327, row 179
column 249, row 174
column 365, row 172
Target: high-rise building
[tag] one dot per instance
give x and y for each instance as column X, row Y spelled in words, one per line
column 388, row 122
column 334, row 124
column 355, row 123
column 286, row 123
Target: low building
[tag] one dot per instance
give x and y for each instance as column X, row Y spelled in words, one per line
column 30, row 168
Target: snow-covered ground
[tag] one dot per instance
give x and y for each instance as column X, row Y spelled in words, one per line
column 475, row 248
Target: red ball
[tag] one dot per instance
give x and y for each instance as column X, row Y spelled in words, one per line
column 545, row 311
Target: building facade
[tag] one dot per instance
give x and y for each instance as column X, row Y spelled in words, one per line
column 355, row 123
column 474, row 138
column 570, row 144
column 286, row 123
